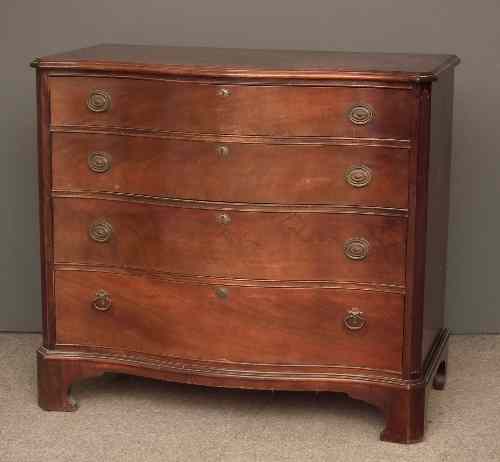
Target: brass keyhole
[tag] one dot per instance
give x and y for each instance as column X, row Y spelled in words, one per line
column 222, row 292
column 223, row 151
column 223, row 219
column 224, row 92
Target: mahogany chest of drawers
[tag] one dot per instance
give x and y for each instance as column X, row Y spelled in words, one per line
column 246, row 218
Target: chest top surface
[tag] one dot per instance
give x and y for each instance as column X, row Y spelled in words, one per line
column 252, row 63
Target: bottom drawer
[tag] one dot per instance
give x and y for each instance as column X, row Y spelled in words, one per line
column 261, row 325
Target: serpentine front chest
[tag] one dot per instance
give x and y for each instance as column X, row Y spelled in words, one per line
column 246, row 218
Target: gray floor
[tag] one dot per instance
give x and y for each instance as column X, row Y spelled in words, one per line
column 133, row 419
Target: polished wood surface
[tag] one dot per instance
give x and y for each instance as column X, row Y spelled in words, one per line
column 251, row 325
column 437, row 211
column 248, row 110
column 403, row 407
column 45, row 208
column 243, row 172
column 228, row 267
column 254, row 245
column 234, row 62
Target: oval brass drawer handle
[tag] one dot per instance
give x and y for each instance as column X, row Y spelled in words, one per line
column 99, row 162
column 358, row 176
column 356, row 248
column 361, row 114
column 100, row 231
column 99, row 101
column 102, row 301
column 223, row 151
column 354, row 319
column 223, row 219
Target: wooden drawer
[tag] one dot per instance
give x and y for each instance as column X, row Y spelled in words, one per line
column 247, row 244
column 249, row 325
column 232, row 172
column 247, row 110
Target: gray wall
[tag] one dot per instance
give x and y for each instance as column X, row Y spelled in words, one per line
column 469, row 29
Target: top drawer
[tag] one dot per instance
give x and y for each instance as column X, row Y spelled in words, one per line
column 352, row 112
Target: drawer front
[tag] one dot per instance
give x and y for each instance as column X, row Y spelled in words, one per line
column 246, row 244
column 237, row 324
column 355, row 112
column 233, row 172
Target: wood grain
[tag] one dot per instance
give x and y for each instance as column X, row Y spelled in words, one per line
column 249, row 110
column 437, row 211
column 244, row 63
column 255, row 245
column 402, row 403
column 45, row 207
column 230, row 271
column 251, row 325
column 247, row 172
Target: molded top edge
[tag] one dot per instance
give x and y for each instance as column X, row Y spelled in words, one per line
column 252, row 63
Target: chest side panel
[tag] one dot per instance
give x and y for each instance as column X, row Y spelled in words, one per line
column 438, row 209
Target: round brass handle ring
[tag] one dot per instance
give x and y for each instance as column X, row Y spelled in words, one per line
column 102, row 301
column 354, row 320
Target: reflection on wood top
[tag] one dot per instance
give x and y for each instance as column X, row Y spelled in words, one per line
column 247, row 63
